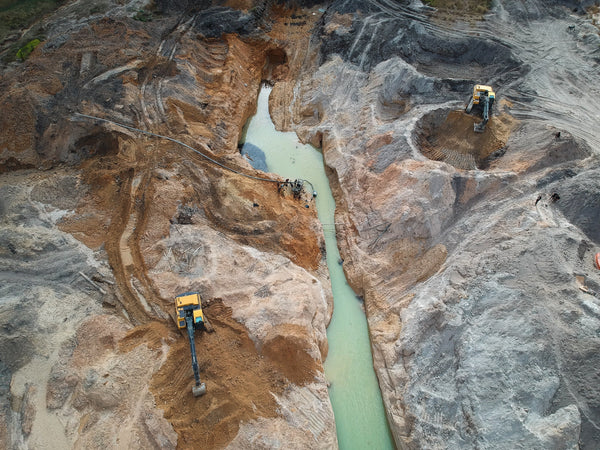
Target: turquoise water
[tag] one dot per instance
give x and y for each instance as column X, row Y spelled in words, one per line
column 354, row 392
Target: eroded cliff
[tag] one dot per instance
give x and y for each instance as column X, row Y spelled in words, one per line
column 478, row 282
column 146, row 219
column 474, row 253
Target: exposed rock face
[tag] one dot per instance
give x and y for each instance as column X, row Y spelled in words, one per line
column 484, row 330
column 43, row 300
column 478, row 283
column 147, row 219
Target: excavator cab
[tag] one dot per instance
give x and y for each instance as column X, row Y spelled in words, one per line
column 190, row 301
column 481, row 89
column 189, row 315
column 481, row 101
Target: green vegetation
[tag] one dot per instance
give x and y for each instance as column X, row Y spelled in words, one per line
column 16, row 15
column 9, row 53
column 26, row 50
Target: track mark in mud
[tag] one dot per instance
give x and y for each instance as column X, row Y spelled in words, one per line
column 124, row 259
column 115, row 213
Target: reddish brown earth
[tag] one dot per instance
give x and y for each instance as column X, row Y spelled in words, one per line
column 448, row 136
column 138, row 190
column 239, row 379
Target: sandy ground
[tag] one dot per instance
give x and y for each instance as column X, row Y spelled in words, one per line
column 432, row 221
column 127, row 199
column 452, row 139
column 440, row 231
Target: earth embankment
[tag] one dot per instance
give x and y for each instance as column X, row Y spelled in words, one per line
column 473, row 253
column 104, row 226
column 477, row 274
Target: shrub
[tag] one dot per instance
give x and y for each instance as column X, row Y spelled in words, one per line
column 143, row 16
column 26, row 50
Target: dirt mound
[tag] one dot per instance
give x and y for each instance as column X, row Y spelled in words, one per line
column 238, row 379
column 449, row 137
column 287, row 348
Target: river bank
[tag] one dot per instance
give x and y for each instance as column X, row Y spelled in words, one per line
column 465, row 257
column 354, row 392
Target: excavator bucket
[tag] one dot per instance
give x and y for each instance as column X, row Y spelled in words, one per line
column 199, row 391
column 469, row 106
column 479, row 127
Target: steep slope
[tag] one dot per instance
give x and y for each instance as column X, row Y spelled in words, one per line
column 473, row 253
column 146, row 219
column 484, row 333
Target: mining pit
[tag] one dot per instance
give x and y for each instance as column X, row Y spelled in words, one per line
column 448, row 136
column 472, row 253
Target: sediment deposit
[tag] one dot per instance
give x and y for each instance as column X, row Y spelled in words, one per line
column 478, row 281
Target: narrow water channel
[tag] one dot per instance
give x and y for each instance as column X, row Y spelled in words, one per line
column 357, row 405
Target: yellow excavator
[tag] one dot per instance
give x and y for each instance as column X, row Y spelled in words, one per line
column 481, row 101
column 189, row 315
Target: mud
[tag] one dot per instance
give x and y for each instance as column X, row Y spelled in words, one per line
column 388, row 75
column 239, row 378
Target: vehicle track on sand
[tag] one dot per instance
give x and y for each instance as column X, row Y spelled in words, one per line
column 208, row 57
column 127, row 223
column 566, row 95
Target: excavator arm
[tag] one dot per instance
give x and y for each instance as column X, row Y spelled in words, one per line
column 189, row 315
column 484, row 101
column 199, row 388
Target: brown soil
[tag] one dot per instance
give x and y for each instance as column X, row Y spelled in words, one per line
column 129, row 220
column 449, row 137
column 129, row 204
column 292, row 31
column 239, row 380
column 16, row 121
column 288, row 350
column 129, row 207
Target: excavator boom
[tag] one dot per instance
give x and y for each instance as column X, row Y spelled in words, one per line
column 485, row 102
column 199, row 388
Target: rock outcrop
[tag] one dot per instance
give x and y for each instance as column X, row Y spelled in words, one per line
column 473, row 254
column 476, row 269
column 102, row 226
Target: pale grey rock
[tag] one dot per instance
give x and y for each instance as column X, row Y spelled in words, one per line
column 495, row 347
column 305, row 421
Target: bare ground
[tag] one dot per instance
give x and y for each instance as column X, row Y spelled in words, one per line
column 133, row 193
